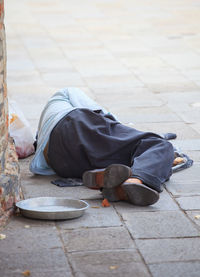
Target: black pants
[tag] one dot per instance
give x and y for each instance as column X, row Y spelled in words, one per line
column 152, row 161
column 85, row 140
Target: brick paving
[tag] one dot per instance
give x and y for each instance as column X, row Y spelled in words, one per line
column 141, row 60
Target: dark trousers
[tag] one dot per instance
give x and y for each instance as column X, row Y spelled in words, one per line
column 152, row 161
column 85, row 140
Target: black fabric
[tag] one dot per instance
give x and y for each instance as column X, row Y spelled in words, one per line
column 67, row 182
column 85, row 140
column 168, row 136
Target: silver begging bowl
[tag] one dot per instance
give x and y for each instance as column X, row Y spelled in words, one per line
column 52, row 208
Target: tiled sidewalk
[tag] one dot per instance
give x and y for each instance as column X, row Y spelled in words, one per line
column 141, row 60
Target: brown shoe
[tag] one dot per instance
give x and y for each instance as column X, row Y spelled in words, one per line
column 112, row 176
column 136, row 194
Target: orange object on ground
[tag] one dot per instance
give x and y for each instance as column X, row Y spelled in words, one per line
column 26, row 273
column 105, row 203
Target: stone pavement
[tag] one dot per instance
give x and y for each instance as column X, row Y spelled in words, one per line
column 141, row 60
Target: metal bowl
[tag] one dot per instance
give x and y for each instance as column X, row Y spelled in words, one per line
column 52, row 208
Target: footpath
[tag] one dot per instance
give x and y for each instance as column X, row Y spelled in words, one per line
column 141, row 60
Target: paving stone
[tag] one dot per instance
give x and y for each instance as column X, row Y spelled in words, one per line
column 142, row 98
column 169, row 250
column 195, row 216
column 22, row 239
column 191, row 116
column 95, row 216
column 181, row 188
column 52, row 273
column 194, row 155
column 165, row 203
column 186, row 269
column 192, row 74
column 182, row 101
column 19, row 221
column 182, row 130
column 142, row 61
column 173, row 87
column 196, row 127
column 166, row 75
column 186, row 175
column 40, row 186
column 184, row 104
column 185, row 145
column 25, row 62
column 186, row 60
column 94, row 239
column 45, row 65
column 103, row 67
column 159, row 224
column 123, row 81
column 189, row 203
column 87, row 53
column 139, row 91
column 24, row 78
column 108, row 263
column 151, row 114
column 63, row 79
column 186, row 182
column 36, row 262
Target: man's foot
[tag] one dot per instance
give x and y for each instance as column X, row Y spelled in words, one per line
column 134, row 193
column 112, row 176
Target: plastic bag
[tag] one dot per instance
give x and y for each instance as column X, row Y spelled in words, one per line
column 20, row 131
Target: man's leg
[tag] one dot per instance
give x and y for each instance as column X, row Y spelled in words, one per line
column 152, row 166
column 152, row 162
column 116, row 184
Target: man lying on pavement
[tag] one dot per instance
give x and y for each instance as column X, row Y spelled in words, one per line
column 77, row 138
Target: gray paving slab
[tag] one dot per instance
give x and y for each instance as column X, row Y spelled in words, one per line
column 52, row 273
column 45, row 261
column 160, row 224
column 194, row 216
column 173, row 87
column 191, row 116
column 189, row 144
column 169, row 250
column 93, row 68
column 19, row 221
column 108, row 263
column 63, row 79
column 124, row 81
column 185, row 182
column 139, row 98
column 194, row 155
column 184, row 188
column 165, row 203
column 182, row 130
column 102, row 92
column 40, row 186
column 189, row 203
column 189, row 174
column 196, row 126
column 180, row 269
column 22, row 239
column 181, row 102
column 94, row 239
column 95, row 216
column 155, row 114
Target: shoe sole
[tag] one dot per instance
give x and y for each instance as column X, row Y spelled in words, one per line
column 140, row 195
column 136, row 194
column 114, row 175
